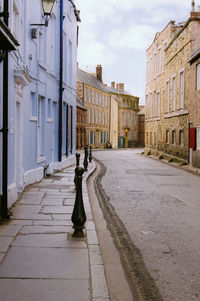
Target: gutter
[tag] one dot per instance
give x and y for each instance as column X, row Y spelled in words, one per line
column 60, row 85
column 4, row 196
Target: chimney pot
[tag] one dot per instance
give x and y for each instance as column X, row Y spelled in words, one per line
column 99, row 72
column 120, row 86
column 112, row 84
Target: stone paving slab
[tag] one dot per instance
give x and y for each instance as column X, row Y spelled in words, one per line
column 61, row 217
column 53, row 223
column 9, row 230
column 45, row 290
column 26, row 209
column 1, row 256
column 44, row 229
column 47, row 241
column 5, row 243
column 57, row 209
column 45, row 263
column 31, row 216
column 21, row 222
column 53, row 201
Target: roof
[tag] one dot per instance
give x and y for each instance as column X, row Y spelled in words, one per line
column 91, row 81
column 117, row 91
column 142, row 112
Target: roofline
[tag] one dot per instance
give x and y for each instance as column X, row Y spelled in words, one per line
column 170, row 22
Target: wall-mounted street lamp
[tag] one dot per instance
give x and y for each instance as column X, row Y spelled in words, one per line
column 47, row 6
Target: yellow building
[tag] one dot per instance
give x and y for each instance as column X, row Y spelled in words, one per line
column 114, row 103
column 96, row 99
column 128, row 107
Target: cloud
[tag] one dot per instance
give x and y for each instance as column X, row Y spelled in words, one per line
column 135, row 37
column 93, row 53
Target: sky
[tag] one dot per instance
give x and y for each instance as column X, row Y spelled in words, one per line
column 116, row 33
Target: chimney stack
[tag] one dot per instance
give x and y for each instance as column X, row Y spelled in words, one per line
column 120, row 86
column 193, row 5
column 112, row 84
column 99, row 73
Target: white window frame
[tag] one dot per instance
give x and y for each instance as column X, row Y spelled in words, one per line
column 158, row 103
column 198, row 76
column 167, row 99
column 174, row 92
column 198, row 137
column 181, row 88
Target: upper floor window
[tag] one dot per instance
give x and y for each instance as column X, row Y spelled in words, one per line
column 198, row 76
column 41, row 46
column 181, row 138
column 181, row 85
column 167, row 96
column 49, row 109
column 33, row 104
column 173, row 93
column 16, row 21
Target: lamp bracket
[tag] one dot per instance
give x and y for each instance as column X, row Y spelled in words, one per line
column 4, row 14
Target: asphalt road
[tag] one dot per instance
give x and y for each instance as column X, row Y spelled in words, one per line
column 159, row 206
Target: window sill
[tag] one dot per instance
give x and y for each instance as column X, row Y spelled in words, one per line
column 176, row 114
column 41, row 159
column 33, row 118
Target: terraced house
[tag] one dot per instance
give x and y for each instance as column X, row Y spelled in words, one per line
column 96, row 99
column 38, row 110
column 170, row 101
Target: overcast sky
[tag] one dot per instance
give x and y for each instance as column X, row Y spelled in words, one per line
column 116, row 34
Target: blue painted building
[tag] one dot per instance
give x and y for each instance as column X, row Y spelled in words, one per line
column 41, row 94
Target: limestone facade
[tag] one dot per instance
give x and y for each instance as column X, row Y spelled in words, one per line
column 96, row 99
column 170, row 88
column 128, row 107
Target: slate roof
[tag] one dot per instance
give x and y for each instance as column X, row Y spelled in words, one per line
column 142, row 112
column 117, row 91
column 91, row 81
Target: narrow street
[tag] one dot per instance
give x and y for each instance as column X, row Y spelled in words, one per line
column 159, row 207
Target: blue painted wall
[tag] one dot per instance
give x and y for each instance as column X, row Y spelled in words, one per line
column 35, row 93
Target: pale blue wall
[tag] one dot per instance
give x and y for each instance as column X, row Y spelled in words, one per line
column 44, row 77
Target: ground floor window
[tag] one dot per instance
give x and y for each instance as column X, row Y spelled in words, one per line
column 167, row 136
column 198, row 137
column 91, row 137
column 104, row 137
column 181, row 137
column 173, row 137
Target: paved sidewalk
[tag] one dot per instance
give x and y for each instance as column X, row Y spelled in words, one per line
column 39, row 259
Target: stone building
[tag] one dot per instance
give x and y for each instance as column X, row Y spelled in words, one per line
column 141, row 125
column 114, row 108
column 169, row 97
column 96, row 99
column 80, row 125
column 128, row 106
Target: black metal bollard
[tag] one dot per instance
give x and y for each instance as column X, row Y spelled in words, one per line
column 90, row 155
column 77, row 164
column 85, row 162
column 78, row 216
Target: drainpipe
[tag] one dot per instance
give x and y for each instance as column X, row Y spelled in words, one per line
column 4, row 197
column 61, row 84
